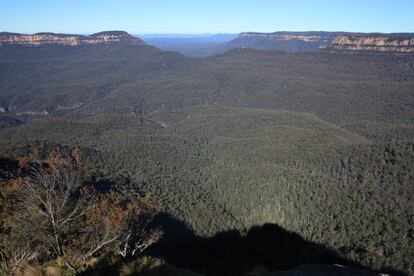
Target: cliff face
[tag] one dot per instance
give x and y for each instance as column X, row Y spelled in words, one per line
column 337, row 41
column 374, row 43
column 282, row 37
column 283, row 41
column 112, row 37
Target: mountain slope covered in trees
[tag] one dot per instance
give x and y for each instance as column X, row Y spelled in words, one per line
column 320, row 143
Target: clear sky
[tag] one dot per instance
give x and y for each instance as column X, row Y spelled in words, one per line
column 205, row 16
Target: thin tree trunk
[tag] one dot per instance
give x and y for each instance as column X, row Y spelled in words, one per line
column 70, row 266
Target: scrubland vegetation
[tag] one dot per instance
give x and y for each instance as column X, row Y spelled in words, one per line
column 51, row 213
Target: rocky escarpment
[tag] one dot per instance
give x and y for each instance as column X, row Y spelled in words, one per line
column 286, row 36
column 374, row 43
column 283, row 41
column 336, row 41
column 111, row 37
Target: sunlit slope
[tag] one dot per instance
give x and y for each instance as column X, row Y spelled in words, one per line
column 195, row 141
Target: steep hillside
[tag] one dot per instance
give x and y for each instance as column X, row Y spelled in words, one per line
column 89, row 80
column 54, row 80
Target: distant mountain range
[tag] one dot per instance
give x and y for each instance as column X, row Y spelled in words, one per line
column 206, row 45
column 309, row 41
column 189, row 45
column 38, row 39
column 293, row 42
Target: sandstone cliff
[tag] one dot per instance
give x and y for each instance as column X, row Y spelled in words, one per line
column 307, row 37
column 337, row 41
column 111, row 37
column 381, row 43
column 282, row 41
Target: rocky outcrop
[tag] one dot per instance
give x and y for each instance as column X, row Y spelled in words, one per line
column 374, row 43
column 116, row 37
column 111, row 37
column 335, row 41
column 282, row 36
column 283, row 41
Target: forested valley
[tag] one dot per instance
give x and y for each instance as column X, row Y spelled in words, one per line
column 139, row 161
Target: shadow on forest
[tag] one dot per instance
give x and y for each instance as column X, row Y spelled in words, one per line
column 8, row 167
column 234, row 253
column 228, row 252
column 231, row 253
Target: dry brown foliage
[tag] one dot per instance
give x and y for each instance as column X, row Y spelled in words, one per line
column 56, row 214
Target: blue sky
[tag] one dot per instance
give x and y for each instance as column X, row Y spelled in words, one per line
column 204, row 16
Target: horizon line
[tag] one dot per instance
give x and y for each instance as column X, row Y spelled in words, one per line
column 209, row 33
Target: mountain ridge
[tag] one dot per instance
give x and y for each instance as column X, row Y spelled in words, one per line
column 280, row 41
column 315, row 40
column 400, row 44
column 46, row 38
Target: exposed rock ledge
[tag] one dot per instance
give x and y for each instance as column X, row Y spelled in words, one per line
column 111, row 37
column 282, row 36
column 374, row 43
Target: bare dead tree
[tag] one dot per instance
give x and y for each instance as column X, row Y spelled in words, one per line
column 147, row 239
column 66, row 219
column 52, row 203
column 134, row 241
column 13, row 257
column 123, row 224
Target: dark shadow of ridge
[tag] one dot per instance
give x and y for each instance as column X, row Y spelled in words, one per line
column 233, row 253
